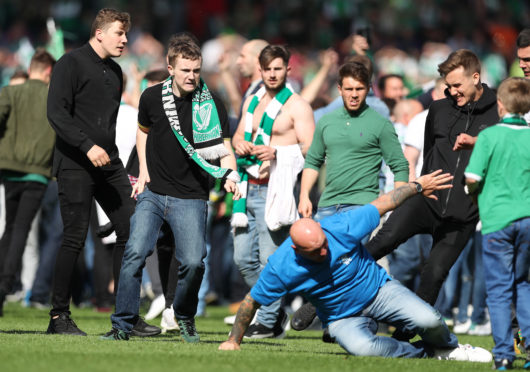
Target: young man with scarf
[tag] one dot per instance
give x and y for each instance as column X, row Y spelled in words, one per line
column 181, row 127
column 274, row 133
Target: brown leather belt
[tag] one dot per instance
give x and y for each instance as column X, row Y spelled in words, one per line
column 258, row 181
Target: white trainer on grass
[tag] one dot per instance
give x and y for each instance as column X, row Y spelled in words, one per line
column 464, row 353
column 168, row 322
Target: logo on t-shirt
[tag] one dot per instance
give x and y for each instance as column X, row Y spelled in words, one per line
column 346, row 260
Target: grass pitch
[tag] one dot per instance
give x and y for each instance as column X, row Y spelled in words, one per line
column 24, row 346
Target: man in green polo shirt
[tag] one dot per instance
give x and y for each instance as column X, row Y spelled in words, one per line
column 352, row 140
column 26, row 148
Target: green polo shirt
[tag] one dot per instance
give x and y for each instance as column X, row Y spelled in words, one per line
column 353, row 145
column 501, row 163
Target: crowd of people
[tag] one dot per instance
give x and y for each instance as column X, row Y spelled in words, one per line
column 380, row 205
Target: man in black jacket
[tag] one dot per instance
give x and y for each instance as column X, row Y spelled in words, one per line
column 83, row 102
column 451, row 129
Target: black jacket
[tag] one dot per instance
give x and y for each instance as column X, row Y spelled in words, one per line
column 83, row 103
column 445, row 122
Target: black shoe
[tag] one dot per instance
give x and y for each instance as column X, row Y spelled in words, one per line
column 142, row 329
column 2, row 299
column 281, row 322
column 115, row 335
column 258, row 330
column 303, row 317
column 63, row 325
column 502, row 365
column 326, row 337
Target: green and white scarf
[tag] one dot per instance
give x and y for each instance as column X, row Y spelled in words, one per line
column 206, row 129
column 250, row 164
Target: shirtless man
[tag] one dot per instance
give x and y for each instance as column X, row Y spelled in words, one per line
column 277, row 126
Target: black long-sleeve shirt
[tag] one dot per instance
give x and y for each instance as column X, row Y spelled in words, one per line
column 83, row 102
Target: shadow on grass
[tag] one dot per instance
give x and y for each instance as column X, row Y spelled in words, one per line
column 21, row 332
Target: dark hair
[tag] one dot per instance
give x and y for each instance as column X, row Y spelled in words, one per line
column 514, row 93
column 41, row 60
column 354, row 70
column 184, row 36
column 184, row 48
column 156, row 75
column 382, row 81
column 106, row 16
column 364, row 60
column 19, row 74
column 461, row 57
column 271, row 52
column 523, row 40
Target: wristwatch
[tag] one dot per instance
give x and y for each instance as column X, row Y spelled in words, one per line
column 419, row 188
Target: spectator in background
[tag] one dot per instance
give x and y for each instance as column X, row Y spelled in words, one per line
column 18, row 77
column 25, row 161
column 391, row 86
column 523, row 53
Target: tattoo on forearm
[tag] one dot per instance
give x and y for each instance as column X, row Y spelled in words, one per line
column 401, row 194
column 243, row 318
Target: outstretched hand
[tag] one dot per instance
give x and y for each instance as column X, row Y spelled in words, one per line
column 229, row 345
column 435, row 181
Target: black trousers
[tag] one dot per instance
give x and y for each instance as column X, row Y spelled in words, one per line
column 449, row 239
column 111, row 188
column 22, row 200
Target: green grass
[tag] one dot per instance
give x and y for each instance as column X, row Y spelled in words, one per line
column 24, row 346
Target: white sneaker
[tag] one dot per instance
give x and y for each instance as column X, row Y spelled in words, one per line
column 157, row 306
column 168, row 322
column 464, row 353
column 480, row 329
column 462, row 328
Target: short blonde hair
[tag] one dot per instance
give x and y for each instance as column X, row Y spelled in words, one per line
column 514, row 94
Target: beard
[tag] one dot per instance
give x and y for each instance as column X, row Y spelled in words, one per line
column 276, row 88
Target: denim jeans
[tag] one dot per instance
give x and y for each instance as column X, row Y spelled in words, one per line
column 187, row 219
column 254, row 244
column 323, row 212
column 506, row 256
column 406, row 261
column 396, row 305
column 23, row 200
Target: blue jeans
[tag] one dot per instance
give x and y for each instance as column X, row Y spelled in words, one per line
column 396, row 305
column 187, row 220
column 407, row 260
column 506, row 256
column 254, row 244
column 323, row 212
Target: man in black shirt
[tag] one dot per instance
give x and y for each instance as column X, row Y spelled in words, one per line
column 181, row 128
column 83, row 101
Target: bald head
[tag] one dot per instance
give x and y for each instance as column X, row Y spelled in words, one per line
column 309, row 240
column 406, row 109
column 248, row 58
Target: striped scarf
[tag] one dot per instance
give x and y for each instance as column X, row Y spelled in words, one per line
column 206, row 130
column 250, row 164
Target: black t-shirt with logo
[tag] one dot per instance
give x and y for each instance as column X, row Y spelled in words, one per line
column 172, row 172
